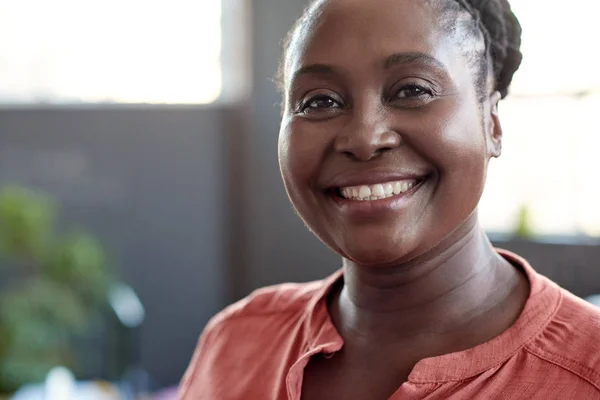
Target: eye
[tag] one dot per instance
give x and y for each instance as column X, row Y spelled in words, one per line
column 320, row 102
column 411, row 91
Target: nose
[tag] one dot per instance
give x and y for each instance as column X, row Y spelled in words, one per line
column 364, row 138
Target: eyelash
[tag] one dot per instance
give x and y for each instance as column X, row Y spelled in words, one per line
column 423, row 91
column 320, row 97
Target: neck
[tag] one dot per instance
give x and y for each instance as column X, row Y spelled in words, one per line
column 448, row 288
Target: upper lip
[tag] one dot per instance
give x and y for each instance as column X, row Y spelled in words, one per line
column 372, row 177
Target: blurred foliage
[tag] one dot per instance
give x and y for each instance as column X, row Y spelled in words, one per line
column 26, row 220
column 58, row 288
column 523, row 228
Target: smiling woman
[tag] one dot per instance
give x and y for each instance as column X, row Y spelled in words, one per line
column 390, row 119
column 113, row 51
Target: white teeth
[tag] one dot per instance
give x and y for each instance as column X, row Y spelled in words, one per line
column 389, row 189
column 364, row 192
column 377, row 191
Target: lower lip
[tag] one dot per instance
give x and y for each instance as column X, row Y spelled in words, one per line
column 372, row 208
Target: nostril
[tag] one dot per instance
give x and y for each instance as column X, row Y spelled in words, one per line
column 378, row 152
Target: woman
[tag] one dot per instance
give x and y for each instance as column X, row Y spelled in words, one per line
column 390, row 119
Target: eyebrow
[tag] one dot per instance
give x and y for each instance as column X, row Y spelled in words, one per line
column 390, row 62
column 313, row 69
column 411, row 58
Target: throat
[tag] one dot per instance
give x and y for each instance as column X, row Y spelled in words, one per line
column 474, row 290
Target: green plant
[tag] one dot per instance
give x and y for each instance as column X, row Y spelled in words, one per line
column 57, row 288
column 523, row 228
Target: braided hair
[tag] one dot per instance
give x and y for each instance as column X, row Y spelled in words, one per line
column 501, row 33
column 490, row 22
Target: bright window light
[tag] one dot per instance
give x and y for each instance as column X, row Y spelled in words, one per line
column 549, row 164
column 110, row 51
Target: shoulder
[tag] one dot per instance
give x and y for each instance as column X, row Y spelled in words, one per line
column 267, row 304
column 259, row 324
column 571, row 339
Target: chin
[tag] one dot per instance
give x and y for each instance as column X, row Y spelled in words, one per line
column 380, row 254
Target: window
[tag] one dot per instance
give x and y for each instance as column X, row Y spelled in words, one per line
column 550, row 162
column 110, row 51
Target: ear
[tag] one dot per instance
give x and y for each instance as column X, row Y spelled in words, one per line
column 493, row 128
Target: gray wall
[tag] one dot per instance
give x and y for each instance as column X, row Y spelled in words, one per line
column 152, row 184
column 576, row 267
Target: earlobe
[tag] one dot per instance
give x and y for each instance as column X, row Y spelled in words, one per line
column 494, row 128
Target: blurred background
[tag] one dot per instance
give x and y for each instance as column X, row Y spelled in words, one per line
column 140, row 190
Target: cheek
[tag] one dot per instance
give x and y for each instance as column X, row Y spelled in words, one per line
column 464, row 157
column 466, row 150
column 452, row 139
column 300, row 154
column 454, row 144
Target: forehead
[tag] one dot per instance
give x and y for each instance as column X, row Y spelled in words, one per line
column 354, row 32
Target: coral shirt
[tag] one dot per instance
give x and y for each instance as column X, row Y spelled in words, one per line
column 258, row 348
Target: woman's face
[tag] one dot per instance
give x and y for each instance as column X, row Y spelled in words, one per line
column 384, row 144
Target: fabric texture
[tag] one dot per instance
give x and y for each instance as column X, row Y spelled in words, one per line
column 258, row 348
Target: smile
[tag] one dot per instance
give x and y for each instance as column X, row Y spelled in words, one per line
column 377, row 191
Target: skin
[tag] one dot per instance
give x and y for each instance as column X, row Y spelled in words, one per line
column 378, row 87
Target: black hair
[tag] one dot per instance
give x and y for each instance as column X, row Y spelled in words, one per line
column 490, row 22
